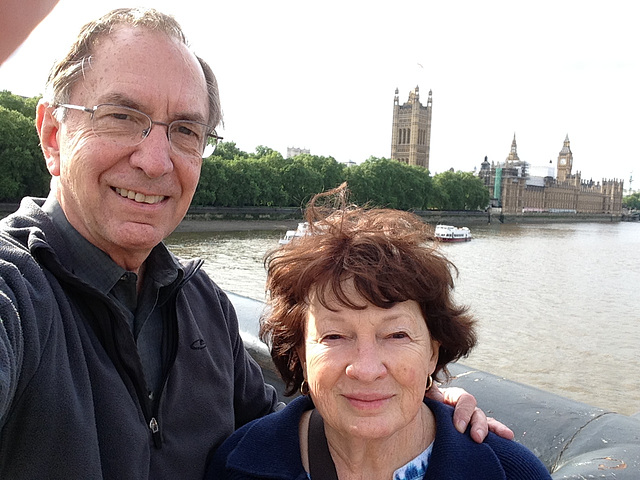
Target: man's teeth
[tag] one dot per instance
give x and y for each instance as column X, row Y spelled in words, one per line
column 139, row 197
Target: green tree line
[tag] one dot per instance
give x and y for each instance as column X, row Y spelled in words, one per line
column 22, row 168
column 234, row 178
column 632, row 201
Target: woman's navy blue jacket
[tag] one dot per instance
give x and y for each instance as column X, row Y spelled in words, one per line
column 269, row 448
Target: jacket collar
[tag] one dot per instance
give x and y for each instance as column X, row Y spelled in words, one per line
column 270, row 447
column 459, row 455
column 33, row 229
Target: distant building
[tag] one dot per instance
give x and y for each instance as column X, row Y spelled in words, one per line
column 516, row 187
column 293, row 151
column 411, row 131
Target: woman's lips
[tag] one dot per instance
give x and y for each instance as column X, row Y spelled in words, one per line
column 368, row 401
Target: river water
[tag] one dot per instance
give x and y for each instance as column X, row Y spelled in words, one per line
column 558, row 305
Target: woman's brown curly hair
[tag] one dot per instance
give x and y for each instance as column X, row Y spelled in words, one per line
column 390, row 255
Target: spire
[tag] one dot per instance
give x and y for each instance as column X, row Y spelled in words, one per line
column 566, row 148
column 513, row 154
column 414, row 95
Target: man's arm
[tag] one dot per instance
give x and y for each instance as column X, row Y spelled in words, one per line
column 467, row 412
column 11, row 342
column 253, row 398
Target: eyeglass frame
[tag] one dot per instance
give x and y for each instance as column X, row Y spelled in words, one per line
column 145, row 132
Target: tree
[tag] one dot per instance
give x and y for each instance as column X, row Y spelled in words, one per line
column 331, row 171
column 212, row 175
column 476, row 194
column 449, row 191
column 262, row 151
column 22, row 169
column 269, row 168
column 25, row 105
column 632, row 201
column 229, row 151
column 459, row 191
column 299, row 182
column 389, row 183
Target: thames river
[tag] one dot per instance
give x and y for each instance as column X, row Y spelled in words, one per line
column 558, row 305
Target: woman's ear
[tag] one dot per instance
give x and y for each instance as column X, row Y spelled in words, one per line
column 301, row 358
column 435, row 354
column 48, row 126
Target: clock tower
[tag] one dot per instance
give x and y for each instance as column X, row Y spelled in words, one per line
column 565, row 161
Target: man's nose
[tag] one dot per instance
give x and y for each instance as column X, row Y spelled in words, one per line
column 153, row 154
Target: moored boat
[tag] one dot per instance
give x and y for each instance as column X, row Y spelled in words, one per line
column 301, row 231
column 449, row 233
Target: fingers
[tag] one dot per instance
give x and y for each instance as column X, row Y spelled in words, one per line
column 479, row 426
column 467, row 413
column 500, row 429
column 465, row 407
column 455, row 395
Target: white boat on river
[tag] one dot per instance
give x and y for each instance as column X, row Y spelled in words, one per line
column 449, row 233
column 301, row 231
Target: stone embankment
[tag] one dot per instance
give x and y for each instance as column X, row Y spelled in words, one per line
column 265, row 218
column 221, row 219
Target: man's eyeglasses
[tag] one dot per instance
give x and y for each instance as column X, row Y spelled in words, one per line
column 129, row 127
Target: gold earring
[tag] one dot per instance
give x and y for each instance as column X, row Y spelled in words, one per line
column 304, row 388
column 429, row 383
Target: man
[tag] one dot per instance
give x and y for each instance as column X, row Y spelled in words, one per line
column 118, row 360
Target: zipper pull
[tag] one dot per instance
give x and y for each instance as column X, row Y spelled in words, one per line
column 153, row 425
column 155, row 432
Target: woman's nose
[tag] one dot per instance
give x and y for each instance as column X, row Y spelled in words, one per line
column 368, row 363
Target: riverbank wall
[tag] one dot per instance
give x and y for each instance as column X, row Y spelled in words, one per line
column 289, row 216
column 458, row 217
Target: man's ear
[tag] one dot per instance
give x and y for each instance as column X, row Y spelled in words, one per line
column 48, row 126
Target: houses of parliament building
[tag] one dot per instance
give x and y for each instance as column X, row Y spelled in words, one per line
column 513, row 185
column 515, row 188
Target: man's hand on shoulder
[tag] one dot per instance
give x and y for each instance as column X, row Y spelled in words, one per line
column 467, row 413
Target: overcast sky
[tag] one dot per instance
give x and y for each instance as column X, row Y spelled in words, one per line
column 322, row 75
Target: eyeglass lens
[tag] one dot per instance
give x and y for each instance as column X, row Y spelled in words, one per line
column 130, row 127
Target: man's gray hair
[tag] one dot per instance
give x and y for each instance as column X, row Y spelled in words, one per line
column 67, row 71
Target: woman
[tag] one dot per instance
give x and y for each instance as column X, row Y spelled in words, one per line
column 361, row 320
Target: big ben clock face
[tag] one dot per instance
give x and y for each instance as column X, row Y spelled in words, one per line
column 563, row 161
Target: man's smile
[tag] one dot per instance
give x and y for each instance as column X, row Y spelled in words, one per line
column 139, row 197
